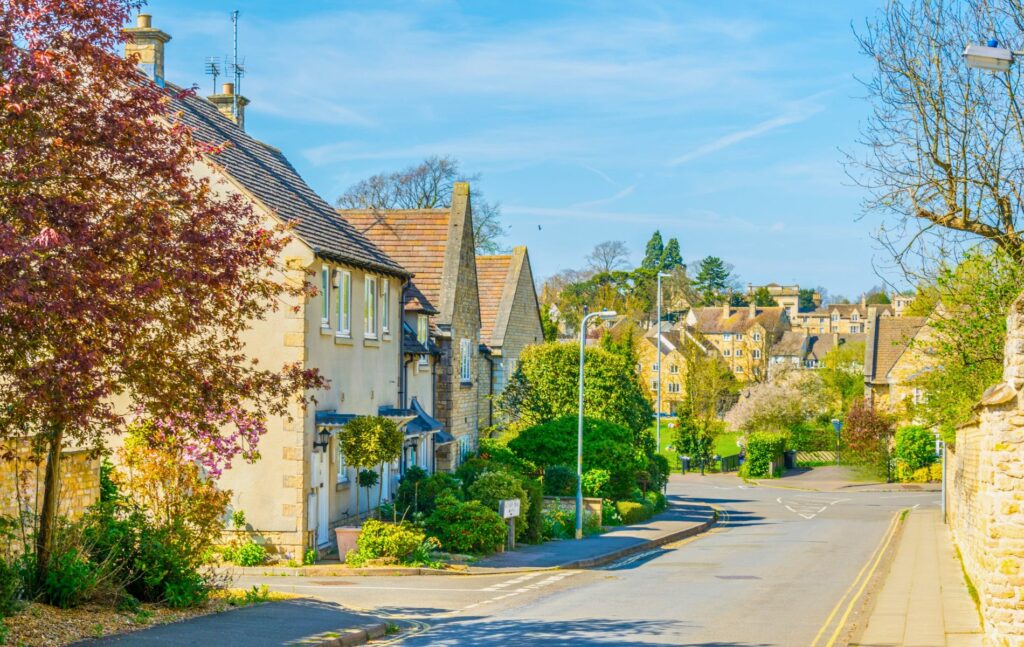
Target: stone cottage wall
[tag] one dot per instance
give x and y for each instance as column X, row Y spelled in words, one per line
column 986, row 502
column 21, row 480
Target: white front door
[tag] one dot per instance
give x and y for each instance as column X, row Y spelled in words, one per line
column 319, row 479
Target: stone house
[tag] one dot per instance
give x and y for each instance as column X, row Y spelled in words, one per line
column 438, row 247
column 842, row 318
column 800, row 350
column 510, row 321
column 894, row 354
column 673, row 367
column 743, row 336
column 351, row 332
column 787, row 296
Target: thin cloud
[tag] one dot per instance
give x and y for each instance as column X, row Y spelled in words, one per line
column 801, row 113
column 595, row 203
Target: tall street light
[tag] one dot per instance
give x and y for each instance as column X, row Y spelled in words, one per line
column 657, row 414
column 990, row 56
column 604, row 314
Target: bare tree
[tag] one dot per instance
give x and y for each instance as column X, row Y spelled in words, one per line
column 428, row 186
column 944, row 153
column 608, row 256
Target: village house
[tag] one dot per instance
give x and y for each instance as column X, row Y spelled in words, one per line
column 743, row 336
column 351, row 332
column 842, row 318
column 787, row 296
column 438, row 247
column 896, row 353
column 510, row 321
column 798, row 350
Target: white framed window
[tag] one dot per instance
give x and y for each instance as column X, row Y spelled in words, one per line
column 855, row 317
column 465, row 359
column 343, row 280
column 856, row 329
column 339, row 462
column 673, row 388
column 422, row 328
column 757, row 353
column 385, row 304
column 674, row 369
column 918, row 396
column 370, row 307
column 757, row 336
column 835, row 317
column 726, row 353
column 726, row 336
column 739, row 369
column 739, row 336
column 654, row 367
column 325, row 297
column 739, row 352
column 654, row 385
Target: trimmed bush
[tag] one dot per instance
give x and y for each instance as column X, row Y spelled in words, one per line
column 535, row 512
column 657, row 500
column 466, row 527
column 763, row 448
column 559, row 480
column 250, row 554
column 812, row 437
column 492, row 487
column 632, row 512
column 915, row 447
column 380, row 540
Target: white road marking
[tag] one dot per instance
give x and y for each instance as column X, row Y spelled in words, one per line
column 499, row 588
column 808, row 506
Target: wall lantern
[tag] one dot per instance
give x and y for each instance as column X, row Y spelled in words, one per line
column 325, row 439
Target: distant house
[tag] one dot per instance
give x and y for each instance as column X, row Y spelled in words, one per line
column 437, row 246
column 670, row 341
column 743, row 336
column 510, row 320
column 787, row 296
column 842, row 318
column 895, row 355
column 797, row 349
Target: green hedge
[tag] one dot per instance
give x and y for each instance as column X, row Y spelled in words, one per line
column 492, row 487
column 535, row 511
column 466, row 527
column 762, row 448
column 633, row 512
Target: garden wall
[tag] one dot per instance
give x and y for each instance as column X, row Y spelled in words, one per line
column 80, row 484
column 985, row 502
column 590, row 504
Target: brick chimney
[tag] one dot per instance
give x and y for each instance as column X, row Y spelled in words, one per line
column 147, row 44
column 753, row 309
column 225, row 102
column 725, row 310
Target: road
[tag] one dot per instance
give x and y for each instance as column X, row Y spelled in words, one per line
column 781, row 569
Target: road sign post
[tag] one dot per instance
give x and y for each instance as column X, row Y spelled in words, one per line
column 509, row 510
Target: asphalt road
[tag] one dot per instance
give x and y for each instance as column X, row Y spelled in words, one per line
column 773, row 573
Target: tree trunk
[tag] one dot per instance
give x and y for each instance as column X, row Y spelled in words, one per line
column 380, row 490
column 48, row 515
column 358, row 485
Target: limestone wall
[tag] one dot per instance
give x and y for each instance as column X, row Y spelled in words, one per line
column 80, row 482
column 986, row 498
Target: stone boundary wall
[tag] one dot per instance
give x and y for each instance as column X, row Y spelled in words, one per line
column 985, row 495
column 80, row 481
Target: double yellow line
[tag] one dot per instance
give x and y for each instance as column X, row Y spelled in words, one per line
column 863, row 577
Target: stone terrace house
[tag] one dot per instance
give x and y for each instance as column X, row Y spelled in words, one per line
column 842, row 318
column 673, row 367
column 743, row 336
column 799, row 350
column 438, row 247
column 787, row 296
column 351, row 332
column 510, row 320
column 894, row 355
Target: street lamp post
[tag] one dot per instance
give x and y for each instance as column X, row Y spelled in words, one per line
column 990, row 56
column 657, row 414
column 604, row 314
column 837, row 424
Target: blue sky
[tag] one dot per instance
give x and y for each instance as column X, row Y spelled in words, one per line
column 719, row 123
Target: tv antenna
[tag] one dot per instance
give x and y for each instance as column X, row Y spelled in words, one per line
column 214, row 68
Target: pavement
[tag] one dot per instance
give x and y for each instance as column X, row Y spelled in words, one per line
column 290, row 622
column 681, row 520
column 835, row 478
column 924, row 598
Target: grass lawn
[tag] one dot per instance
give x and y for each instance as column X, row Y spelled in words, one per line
column 725, row 444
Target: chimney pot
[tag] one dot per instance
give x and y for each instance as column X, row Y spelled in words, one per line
column 147, row 44
column 227, row 88
column 145, row 20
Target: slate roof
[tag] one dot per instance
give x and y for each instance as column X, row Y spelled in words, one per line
column 711, row 320
column 791, row 344
column 670, row 341
column 820, row 345
column 268, row 175
column 492, row 275
column 417, row 239
column 889, row 340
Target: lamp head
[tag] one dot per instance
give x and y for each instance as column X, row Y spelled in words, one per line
column 607, row 314
column 989, row 57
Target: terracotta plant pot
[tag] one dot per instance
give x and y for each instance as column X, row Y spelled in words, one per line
column 346, row 537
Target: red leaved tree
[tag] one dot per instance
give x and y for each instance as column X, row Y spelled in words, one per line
column 867, row 438
column 122, row 274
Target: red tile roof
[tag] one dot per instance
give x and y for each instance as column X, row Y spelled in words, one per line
column 491, row 276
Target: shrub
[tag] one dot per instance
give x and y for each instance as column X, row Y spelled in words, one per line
column 632, row 512
column 492, row 487
column 610, row 514
column 499, row 455
column 380, row 540
column 915, row 447
column 605, row 446
column 921, row 476
column 865, row 438
column 471, row 469
column 466, row 527
column 425, row 499
column 559, row 480
column 560, row 523
column 10, row 588
column 810, row 436
column 70, row 579
column 935, row 471
column 659, row 470
column 250, row 554
column 763, row 448
column 595, row 482
column 535, row 512
column 657, row 500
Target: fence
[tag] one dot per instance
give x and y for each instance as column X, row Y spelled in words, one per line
column 815, row 457
column 731, row 463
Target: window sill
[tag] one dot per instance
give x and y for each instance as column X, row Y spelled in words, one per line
column 341, row 487
column 386, row 336
column 342, row 340
column 325, row 330
column 371, row 342
column 465, row 384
